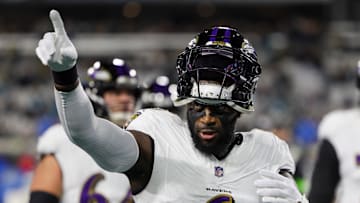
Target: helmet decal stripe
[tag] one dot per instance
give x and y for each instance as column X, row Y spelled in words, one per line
column 124, row 71
column 214, row 34
column 227, row 35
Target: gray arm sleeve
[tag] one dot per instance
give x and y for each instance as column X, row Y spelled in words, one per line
column 112, row 147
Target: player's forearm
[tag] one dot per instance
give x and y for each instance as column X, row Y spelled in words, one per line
column 110, row 146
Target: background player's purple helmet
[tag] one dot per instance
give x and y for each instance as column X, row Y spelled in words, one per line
column 158, row 93
column 221, row 55
column 112, row 74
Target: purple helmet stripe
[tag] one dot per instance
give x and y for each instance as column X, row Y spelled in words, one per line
column 227, row 35
column 122, row 70
column 161, row 89
column 213, row 34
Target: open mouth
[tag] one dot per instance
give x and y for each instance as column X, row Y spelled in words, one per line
column 207, row 134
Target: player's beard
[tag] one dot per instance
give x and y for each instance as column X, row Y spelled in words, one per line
column 219, row 146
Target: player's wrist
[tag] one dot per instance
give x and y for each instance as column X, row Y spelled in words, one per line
column 66, row 80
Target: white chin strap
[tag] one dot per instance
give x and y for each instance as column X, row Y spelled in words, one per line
column 212, row 91
column 120, row 118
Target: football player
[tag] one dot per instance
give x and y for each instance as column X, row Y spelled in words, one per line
column 65, row 172
column 336, row 175
column 168, row 160
column 113, row 89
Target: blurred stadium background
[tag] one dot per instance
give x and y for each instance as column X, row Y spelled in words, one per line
column 308, row 48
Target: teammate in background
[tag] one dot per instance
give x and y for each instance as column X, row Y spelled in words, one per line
column 159, row 94
column 166, row 159
column 113, row 89
column 65, row 172
column 336, row 176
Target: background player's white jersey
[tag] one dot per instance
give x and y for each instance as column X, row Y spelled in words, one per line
column 83, row 179
column 181, row 173
column 342, row 129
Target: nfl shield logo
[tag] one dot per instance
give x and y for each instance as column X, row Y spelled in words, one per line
column 219, row 171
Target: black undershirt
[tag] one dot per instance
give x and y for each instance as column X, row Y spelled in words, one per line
column 326, row 175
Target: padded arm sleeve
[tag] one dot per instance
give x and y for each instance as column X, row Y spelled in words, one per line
column 112, row 147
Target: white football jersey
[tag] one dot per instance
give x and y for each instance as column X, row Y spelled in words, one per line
column 83, row 179
column 181, row 173
column 342, row 129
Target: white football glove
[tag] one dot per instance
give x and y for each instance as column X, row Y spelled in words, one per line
column 275, row 188
column 55, row 49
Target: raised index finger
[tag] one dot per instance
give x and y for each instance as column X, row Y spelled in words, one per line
column 57, row 22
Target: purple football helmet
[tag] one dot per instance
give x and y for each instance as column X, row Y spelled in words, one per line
column 219, row 66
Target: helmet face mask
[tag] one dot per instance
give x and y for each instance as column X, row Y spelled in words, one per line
column 221, row 55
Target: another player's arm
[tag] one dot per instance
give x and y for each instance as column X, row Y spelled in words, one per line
column 46, row 185
column 326, row 175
